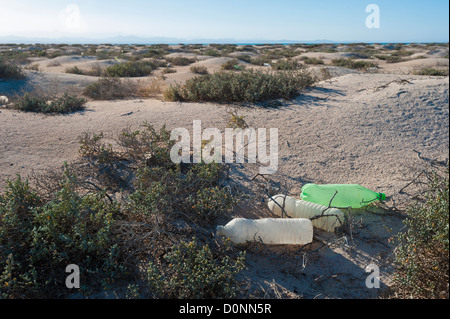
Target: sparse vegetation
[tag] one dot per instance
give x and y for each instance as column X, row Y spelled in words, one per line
column 150, row 88
column 430, row 72
column 39, row 239
column 246, row 86
column 232, row 65
column 66, row 219
column 260, row 61
column 75, row 70
column 52, row 105
column 286, row 65
column 180, row 61
column 10, row 70
column 353, row 64
column 199, row 70
column 422, row 253
column 309, row 60
column 109, row 88
column 212, row 52
column 389, row 58
column 129, row 216
column 168, row 70
column 194, row 273
column 131, row 69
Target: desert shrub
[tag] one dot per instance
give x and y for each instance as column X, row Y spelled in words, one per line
column 64, row 104
column 353, row 64
column 245, row 57
column 15, row 57
column 154, row 52
column 225, row 48
column 40, row 239
column 309, row 60
column 232, row 65
column 180, row 61
column 389, row 58
column 110, row 88
column 168, row 71
column 10, row 70
column 161, row 192
column 131, row 69
column 33, row 67
column 195, row 273
column 430, row 72
column 423, row 248
column 209, row 203
column 320, row 48
column 260, row 61
column 107, row 55
column 81, row 223
column 90, row 147
column 246, row 86
column 279, row 53
column 286, row 65
column 401, row 53
column 212, row 52
column 199, row 69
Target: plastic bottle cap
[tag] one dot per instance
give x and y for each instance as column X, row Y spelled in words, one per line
column 381, row 196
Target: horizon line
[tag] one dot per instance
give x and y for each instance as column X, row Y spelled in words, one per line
column 153, row 40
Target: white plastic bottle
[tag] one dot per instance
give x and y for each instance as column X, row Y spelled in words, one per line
column 302, row 209
column 293, row 231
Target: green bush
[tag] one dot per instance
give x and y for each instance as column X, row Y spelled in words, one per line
column 246, row 86
column 199, row 70
column 401, row 52
column 10, row 71
column 39, row 240
column 161, row 187
column 353, row 64
column 160, row 191
column 180, row 61
column 75, row 70
column 286, row 65
column 131, row 69
column 430, row 72
column 212, row 52
column 168, row 71
column 279, row 53
column 309, row 60
column 423, row 248
column 64, row 104
column 194, row 273
column 260, row 61
column 389, row 58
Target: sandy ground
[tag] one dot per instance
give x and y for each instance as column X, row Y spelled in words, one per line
column 355, row 128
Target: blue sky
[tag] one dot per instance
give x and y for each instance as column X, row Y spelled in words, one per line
column 400, row 20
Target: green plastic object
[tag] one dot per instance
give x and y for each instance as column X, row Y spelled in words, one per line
column 345, row 195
